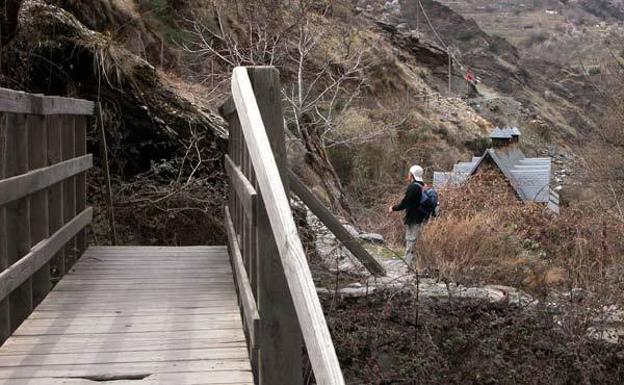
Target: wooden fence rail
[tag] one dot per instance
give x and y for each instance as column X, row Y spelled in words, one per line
column 277, row 295
column 43, row 213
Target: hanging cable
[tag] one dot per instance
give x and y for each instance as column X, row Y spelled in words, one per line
column 437, row 35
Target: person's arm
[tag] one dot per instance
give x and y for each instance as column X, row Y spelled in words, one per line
column 412, row 190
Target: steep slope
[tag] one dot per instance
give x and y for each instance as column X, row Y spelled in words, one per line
column 152, row 128
column 559, row 96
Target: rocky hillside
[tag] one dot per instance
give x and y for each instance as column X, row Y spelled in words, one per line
column 566, row 32
column 375, row 97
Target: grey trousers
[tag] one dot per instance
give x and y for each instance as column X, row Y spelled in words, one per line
column 412, row 232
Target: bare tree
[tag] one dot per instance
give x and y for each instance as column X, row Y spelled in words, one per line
column 220, row 41
column 315, row 91
column 317, row 98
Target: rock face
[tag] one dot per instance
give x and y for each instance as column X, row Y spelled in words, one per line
column 157, row 138
column 505, row 73
column 334, row 256
column 432, row 290
column 372, row 238
column 606, row 9
column 58, row 55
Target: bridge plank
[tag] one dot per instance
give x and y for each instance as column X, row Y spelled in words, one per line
column 101, row 323
column 231, row 368
column 32, row 346
column 196, row 378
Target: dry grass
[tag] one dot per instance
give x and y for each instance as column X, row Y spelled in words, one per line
column 484, row 234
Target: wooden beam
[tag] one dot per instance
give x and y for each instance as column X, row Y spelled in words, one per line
column 297, row 272
column 81, row 179
column 55, row 192
column 17, row 187
column 24, row 103
column 68, row 142
column 334, row 225
column 281, row 360
column 108, row 188
column 245, row 191
column 39, row 215
column 20, row 271
column 5, row 315
column 247, row 300
column 18, row 216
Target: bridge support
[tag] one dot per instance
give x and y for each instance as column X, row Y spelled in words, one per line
column 280, row 359
column 278, row 299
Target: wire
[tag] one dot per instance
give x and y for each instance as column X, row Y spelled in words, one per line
column 437, row 35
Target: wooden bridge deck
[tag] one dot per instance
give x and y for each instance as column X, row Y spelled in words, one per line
column 134, row 315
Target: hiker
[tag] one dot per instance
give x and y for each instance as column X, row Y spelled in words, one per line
column 419, row 203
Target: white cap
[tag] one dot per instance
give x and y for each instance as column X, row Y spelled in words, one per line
column 417, row 172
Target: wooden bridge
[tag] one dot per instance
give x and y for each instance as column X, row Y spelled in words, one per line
column 244, row 313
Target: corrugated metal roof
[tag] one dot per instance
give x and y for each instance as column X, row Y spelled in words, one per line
column 463, row 167
column 535, row 161
column 499, row 133
column 441, row 179
column 530, row 177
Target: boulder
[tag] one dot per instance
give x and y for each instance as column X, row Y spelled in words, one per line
column 372, row 238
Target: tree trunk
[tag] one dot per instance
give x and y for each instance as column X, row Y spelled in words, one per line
column 318, row 161
column 9, row 10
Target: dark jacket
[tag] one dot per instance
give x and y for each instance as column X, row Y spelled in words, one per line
column 411, row 204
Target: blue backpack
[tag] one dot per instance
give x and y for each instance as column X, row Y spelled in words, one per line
column 428, row 201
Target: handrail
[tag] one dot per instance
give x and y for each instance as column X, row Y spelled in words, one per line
column 256, row 151
column 43, row 197
column 20, row 102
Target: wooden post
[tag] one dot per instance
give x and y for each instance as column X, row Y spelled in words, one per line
column 450, row 72
column 39, row 220
column 18, row 216
column 109, row 189
column 5, row 315
column 280, row 360
column 81, row 180
column 334, row 225
column 251, row 247
column 418, row 19
column 253, row 254
column 55, row 193
column 69, row 185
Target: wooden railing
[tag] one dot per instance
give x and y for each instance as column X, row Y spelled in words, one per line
column 43, row 213
column 276, row 292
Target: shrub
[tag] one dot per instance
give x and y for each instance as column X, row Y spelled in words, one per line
column 485, row 234
column 595, row 70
